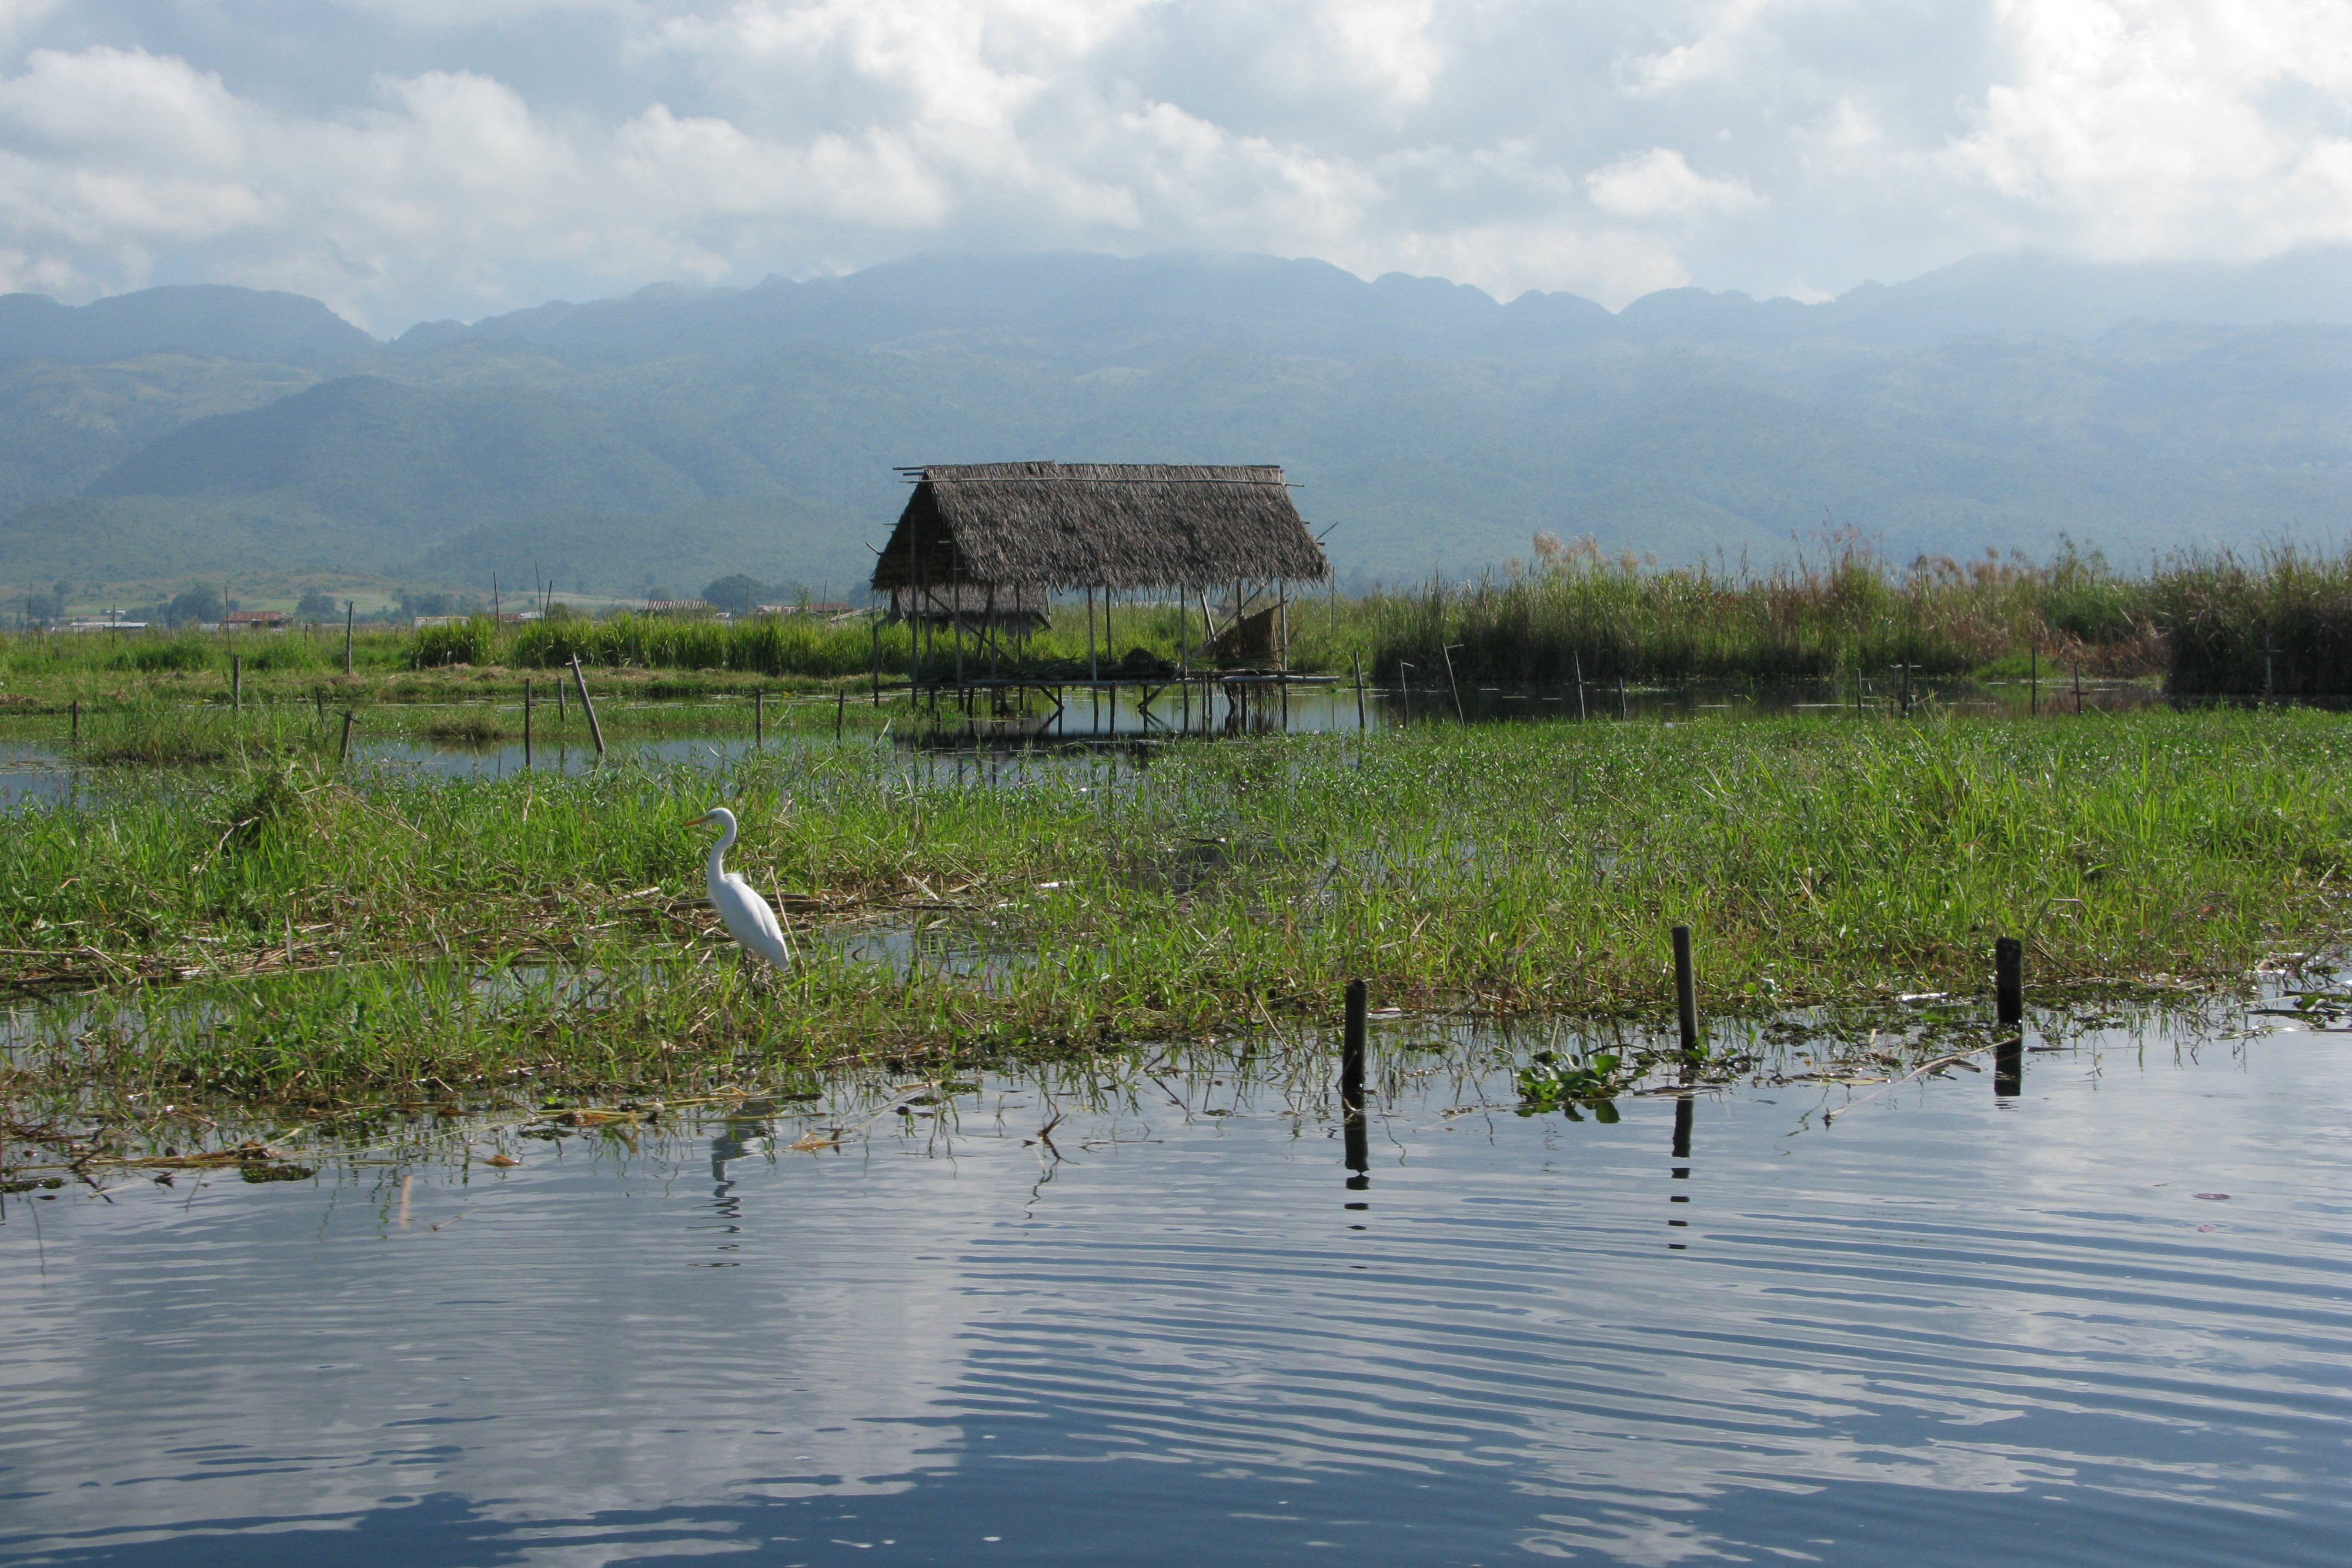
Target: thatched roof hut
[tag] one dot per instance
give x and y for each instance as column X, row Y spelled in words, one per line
column 1124, row 525
column 1019, row 607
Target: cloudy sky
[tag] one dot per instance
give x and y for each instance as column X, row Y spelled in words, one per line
column 414, row 159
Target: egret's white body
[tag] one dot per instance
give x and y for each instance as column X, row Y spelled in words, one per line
column 750, row 919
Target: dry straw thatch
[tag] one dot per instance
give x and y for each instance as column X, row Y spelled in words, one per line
column 1099, row 525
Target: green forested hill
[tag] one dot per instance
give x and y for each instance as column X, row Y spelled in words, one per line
column 611, row 458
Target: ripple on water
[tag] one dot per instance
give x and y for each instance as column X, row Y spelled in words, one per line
column 1945, row 1330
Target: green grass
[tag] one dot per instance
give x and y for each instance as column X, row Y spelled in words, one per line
column 331, row 934
column 2282, row 622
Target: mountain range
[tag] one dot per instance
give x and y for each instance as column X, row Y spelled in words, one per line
column 681, row 434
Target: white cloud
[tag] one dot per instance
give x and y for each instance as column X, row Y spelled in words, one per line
column 433, row 157
column 1659, row 183
column 2132, row 128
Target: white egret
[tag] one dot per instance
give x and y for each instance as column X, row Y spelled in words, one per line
column 749, row 918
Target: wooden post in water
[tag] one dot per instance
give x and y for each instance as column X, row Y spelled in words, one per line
column 759, row 720
column 1686, row 991
column 1404, row 688
column 2008, row 1006
column 1351, row 1090
column 840, row 712
column 77, row 721
column 1359, row 658
column 1446, row 651
column 596, row 730
column 2078, row 688
column 1577, row 659
column 526, row 721
column 344, row 751
column 350, row 607
column 2033, row 682
column 237, row 682
column 1351, row 1050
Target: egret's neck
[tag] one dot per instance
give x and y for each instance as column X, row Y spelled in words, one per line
column 717, row 865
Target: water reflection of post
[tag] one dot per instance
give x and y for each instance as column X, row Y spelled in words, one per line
column 2009, row 999
column 1351, row 1092
column 1684, row 1113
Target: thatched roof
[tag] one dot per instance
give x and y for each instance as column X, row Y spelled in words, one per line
column 975, row 602
column 1099, row 525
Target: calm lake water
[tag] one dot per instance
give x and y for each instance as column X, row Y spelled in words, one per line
column 1946, row 1330
column 36, row 771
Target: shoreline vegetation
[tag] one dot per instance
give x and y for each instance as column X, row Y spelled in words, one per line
column 2280, row 625
column 277, row 933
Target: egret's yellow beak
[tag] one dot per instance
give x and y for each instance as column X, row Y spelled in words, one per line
column 704, row 821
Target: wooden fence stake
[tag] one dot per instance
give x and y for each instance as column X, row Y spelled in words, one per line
column 596, row 730
column 1351, row 1049
column 77, row 721
column 1351, row 1089
column 1686, row 991
column 1448, row 655
column 526, row 722
column 759, row 721
column 840, row 711
column 235, row 683
column 2008, row 1006
column 1359, row 657
column 344, row 751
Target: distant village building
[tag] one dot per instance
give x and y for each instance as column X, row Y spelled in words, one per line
column 682, row 607
column 257, row 619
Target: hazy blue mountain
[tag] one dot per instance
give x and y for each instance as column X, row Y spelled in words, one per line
column 197, row 319
column 1105, row 309
column 681, row 434
column 400, row 458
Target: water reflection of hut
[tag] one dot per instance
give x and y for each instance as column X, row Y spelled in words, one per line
column 981, row 546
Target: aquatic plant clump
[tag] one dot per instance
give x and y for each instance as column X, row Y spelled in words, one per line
column 349, row 926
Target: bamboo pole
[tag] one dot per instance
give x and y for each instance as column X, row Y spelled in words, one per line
column 596, row 730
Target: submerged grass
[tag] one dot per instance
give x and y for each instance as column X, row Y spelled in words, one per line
column 336, row 933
